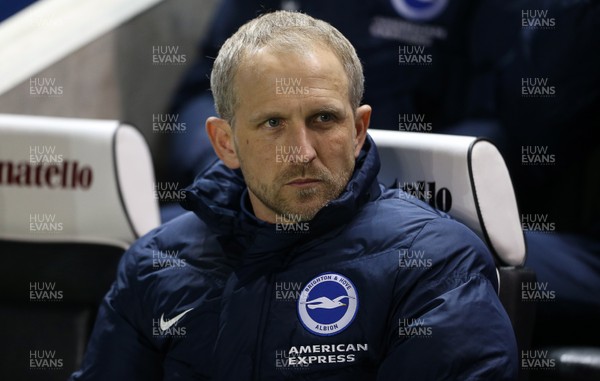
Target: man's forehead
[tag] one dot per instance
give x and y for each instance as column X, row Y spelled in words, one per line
column 271, row 75
column 271, row 63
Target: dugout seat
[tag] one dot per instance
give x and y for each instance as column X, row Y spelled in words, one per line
column 74, row 194
column 466, row 177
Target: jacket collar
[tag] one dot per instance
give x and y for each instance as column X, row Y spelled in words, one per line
column 220, row 198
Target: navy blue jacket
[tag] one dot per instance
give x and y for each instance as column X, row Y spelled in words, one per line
column 378, row 286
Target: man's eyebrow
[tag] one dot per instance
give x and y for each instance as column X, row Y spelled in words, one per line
column 332, row 109
column 261, row 116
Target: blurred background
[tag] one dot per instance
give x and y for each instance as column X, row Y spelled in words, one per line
column 100, row 53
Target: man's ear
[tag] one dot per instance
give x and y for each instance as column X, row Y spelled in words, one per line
column 221, row 137
column 361, row 124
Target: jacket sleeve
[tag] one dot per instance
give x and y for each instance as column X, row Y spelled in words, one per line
column 117, row 349
column 450, row 324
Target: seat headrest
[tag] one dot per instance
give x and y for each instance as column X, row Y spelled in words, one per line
column 74, row 180
column 462, row 175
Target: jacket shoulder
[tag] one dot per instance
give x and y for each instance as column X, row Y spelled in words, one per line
column 406, row 224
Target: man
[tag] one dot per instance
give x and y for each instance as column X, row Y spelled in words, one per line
column 523, row 76
column 379, row 30
column 294, row 264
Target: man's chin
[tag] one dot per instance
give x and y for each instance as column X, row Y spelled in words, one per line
column 304, row 210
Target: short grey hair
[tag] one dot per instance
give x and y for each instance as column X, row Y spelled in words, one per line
column 280, row 29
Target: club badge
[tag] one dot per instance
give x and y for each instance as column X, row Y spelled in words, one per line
column 328, row 304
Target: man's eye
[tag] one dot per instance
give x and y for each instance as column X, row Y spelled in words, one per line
column 273, row 122
column 324, row 118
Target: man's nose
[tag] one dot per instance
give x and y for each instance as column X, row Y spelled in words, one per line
column 302, row 144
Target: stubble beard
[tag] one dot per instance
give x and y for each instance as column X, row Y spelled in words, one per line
column 303, row 203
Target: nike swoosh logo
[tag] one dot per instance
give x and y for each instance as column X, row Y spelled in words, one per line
column 166, row 324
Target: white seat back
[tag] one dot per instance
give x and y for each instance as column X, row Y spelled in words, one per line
column 462, row 175
column 74, row 180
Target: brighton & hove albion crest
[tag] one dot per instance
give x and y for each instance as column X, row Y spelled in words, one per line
column 328, row 304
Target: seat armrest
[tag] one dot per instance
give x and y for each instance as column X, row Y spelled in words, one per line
column 464, row 176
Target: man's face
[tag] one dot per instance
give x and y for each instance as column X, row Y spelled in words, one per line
column 295, row 133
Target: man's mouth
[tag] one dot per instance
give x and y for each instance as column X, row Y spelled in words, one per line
column 303, row 182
